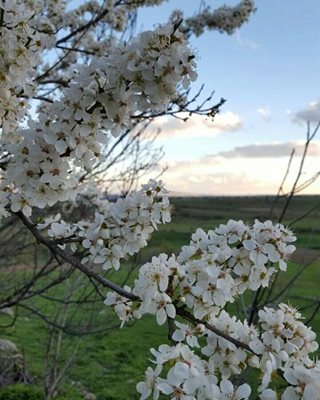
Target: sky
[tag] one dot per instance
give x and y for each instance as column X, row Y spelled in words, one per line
column 268, row 71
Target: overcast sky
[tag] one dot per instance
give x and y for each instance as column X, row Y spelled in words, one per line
column 269, row 73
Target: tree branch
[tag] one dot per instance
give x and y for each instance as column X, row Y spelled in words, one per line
column 106, row 283
column 73, row 260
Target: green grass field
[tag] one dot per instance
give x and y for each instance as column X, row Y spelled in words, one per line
column 109, row 364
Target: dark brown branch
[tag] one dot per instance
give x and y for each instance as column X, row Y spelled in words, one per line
column 72, row 260
column 90, row 53
column 189, row 317
column 84, row 27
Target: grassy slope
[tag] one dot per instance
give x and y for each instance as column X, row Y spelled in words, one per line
column 110, row 364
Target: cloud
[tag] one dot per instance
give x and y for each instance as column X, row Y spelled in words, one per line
column 272, row 150
column 309, row 114
column 207, row 176
column 264, row 113
column 197, row 125
column 245, row 170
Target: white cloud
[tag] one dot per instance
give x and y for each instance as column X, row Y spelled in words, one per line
column 258, row 169
column 197, row 125
column 311, row 113
column 264, row 113
column 273, row 150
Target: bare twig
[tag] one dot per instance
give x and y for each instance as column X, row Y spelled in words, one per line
column 310, row 137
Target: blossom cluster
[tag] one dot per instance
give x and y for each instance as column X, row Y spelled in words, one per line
column 304, row 382
column 124, row 227
column 183, row 374
column 59, row 230
column 19, row 53
column 139, row 77
column 118, row 229
column 124, row 308
column 189, row 377
column 214, row 269
column 53, row 15
column 285, row 344
column 225, row 19
column 228, row 358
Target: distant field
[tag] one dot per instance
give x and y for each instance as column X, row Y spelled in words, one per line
column 110, row 364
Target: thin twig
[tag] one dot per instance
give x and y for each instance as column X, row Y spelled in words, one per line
column 310, row 137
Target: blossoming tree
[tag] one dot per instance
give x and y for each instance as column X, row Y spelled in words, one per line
column 100, row 86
